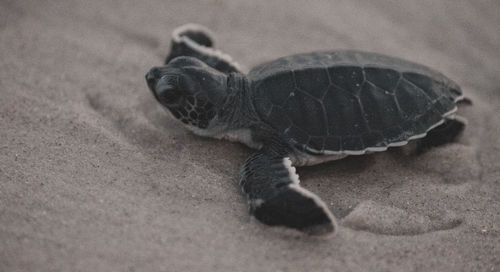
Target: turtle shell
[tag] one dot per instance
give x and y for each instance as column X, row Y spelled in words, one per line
column 349, row 101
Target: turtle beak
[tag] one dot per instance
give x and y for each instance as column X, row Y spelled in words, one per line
column 151, row 79
column 164, row 91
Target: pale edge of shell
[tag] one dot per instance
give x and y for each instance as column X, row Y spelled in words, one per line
column 176, row 36
column 384, row 148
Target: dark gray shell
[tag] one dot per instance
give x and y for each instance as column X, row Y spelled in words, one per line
column 349, row 101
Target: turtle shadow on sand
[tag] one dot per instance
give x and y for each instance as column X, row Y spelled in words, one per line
column 363, row 192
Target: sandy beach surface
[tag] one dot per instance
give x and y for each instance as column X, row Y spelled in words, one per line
column 96, row 176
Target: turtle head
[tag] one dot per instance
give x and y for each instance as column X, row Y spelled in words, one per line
column 191, row 90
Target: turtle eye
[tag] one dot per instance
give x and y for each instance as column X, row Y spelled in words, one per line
column 169, row 96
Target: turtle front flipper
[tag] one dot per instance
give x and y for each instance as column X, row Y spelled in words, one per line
column 276, row 198
column 197, row 41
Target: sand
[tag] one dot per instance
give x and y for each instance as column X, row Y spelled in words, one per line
column 95, row 176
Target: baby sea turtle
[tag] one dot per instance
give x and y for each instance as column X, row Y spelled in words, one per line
column 301, row 110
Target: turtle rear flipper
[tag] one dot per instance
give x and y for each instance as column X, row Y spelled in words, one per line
column 276, row 198
column 445, row 133
column 448, row 132
column 197, row 41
